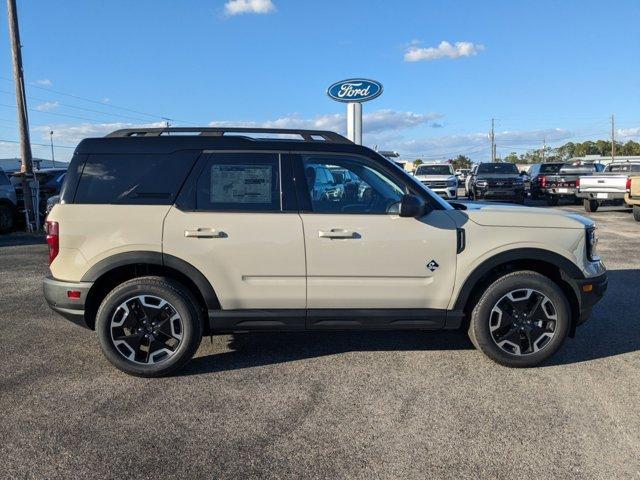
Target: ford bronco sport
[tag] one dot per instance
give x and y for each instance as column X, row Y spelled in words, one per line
column 162, row 236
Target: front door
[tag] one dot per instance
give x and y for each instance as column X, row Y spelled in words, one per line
column 358, row 255
column 240, row 232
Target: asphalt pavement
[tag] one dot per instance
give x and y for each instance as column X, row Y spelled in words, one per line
column 323, row 405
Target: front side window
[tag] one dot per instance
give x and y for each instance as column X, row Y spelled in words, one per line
column 239, row 182
column 344, row 184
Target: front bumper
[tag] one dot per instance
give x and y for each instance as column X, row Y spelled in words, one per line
column 56, row 293
column 449, row 192
column 591, row 290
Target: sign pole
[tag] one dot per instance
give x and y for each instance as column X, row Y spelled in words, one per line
column 354, row 122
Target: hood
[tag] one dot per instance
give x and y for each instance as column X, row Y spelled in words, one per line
column 518, row 216
column 438, row 178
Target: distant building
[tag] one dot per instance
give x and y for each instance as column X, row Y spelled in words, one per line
column 13, row 164
column 605, row 159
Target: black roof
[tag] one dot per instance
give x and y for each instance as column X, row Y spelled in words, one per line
column 166, row 140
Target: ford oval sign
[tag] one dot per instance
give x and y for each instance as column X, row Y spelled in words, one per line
column 355, row 90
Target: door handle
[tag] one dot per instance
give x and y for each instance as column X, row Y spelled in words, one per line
column 338, row 233
column 204, row 233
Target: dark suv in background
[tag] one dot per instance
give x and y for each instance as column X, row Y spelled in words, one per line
column 497, row 181
column 538, row 174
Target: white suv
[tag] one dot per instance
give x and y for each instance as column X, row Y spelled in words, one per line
column 440, row 178
column 159, row 239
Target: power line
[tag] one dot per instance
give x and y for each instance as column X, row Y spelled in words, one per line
column 97, row 102
column 3, row 140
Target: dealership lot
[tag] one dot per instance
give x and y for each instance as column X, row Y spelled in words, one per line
column 332, row 405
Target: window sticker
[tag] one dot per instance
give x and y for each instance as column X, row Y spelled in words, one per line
column 241, row 183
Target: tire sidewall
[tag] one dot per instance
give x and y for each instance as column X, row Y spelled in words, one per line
column 6, row 219
column 519, row 280
column 173, row 293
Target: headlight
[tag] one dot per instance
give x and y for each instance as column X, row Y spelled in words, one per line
column 592, row 244
column 452, row 183
column 519, row 181
column 481, row 183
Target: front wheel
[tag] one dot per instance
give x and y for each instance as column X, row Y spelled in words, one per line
column 636, row 213
column 590, row 205
column 149, row 326
column 521, row 320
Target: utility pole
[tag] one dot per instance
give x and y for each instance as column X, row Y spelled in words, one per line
column 26, row 167
column 492, row 136
column 544, row 147
column 613, row 138
column 53, row 157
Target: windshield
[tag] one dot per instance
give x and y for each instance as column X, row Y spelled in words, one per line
column 626, row 167
column 433, row 170
column 497, row 168
column 550, row 167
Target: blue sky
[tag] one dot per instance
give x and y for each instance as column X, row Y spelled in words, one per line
column 544, row 69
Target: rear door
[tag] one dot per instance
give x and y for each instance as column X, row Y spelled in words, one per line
column 236, row 224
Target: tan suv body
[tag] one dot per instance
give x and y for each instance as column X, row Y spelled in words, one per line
column 159, row 239
column 632, row 197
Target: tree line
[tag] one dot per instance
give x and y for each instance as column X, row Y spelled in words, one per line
column 557, row 154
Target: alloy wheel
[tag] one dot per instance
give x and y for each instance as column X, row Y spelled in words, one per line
column 523, row 322
column 146, row 329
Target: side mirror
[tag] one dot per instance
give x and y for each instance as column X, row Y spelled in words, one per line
column 412, row 206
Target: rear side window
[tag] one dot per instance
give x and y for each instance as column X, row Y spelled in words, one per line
column 239, row 182
column 133, row 179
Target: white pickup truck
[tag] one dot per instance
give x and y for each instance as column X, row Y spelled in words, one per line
column 610, row 185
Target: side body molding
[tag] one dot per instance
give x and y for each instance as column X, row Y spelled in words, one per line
column 159, row 259
column 568, row 269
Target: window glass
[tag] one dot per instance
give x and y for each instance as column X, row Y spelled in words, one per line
column 624, row 167
column 497, row 168
column 337, row 184
column 550, row 167
column 3, row 178
column 133, row 179
column 242, row 182
column 434, row 170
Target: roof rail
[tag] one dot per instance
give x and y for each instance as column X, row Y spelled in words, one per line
column 306, row 135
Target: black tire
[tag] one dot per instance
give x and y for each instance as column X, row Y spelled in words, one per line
column 520, row 199
column 7, row 219
column 178, row 298
column 481, row 317
column 636, row 213
column 590, row 205
column 552, row 200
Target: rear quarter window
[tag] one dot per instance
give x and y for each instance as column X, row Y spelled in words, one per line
column 139, row 179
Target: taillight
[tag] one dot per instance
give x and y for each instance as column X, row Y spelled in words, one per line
column 53, row 240
column 577, row 183
column 628, row 185
column 543, row 181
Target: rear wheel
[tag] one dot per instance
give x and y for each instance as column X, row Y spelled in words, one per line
column 590, row 205
column 149, row 326
column 552, row 200
column 521, row 320
column 6, row 219
column 636, row 213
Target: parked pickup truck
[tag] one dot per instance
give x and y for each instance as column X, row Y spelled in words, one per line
column 564, row 183
column 611, row 185
column 633, row 196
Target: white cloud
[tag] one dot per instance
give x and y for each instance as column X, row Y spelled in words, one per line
column 239, row 7
column 43, row 107
column 443, row 50
column 374, row 122
column 67, row 134
column 628, row 132
column 45, row 82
